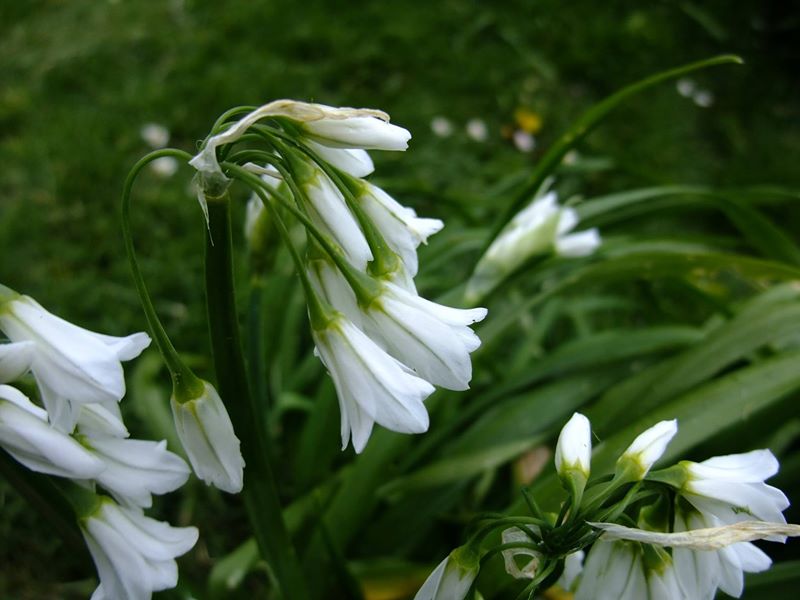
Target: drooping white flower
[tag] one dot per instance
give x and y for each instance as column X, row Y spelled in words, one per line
column 134, row 554
column 539, row 228
column 574, row 448
column 335, row 127
column 372, row 387
column 732, row 488
column 647, row 448
column 136, row 469
column 451, row 579
column 72, row 365
column 432, row 339
column 353, row 161
column 26, row 435
column 619, row 570
column 207, row 435
column 701, row 572
column 329, row 211
column 15, row 360
column 399, row 225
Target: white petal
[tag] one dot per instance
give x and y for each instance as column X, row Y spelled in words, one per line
column 355, row 162
column 567, row 220
column 754, row 466
column 649, row 445
column 368, row 133
column 138, row 468
column 126, row 348
column 15, row 360
column 574, row 447
column 102, row 420
column 579, row 244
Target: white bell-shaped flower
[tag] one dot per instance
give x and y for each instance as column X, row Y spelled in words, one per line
column 432, row 339
column 372, row 387
column 26, row 435
column 136, row 469
column 134, row 554
column 72, row 365
column 732, row 487
column 206, row 432
column 399, row 225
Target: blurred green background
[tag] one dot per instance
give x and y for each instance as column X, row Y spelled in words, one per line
column 79, row 79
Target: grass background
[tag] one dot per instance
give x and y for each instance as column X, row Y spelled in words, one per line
column 79, row 79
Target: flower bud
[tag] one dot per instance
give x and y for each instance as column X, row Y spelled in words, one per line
column 207, row 435
column 574, row 453
column 646, row 449
column 452, row 578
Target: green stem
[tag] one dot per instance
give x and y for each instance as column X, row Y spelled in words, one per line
column 260, row 492
column 185, row 384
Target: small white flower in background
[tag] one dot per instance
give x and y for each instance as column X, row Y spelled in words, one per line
column 732, row 488
column 477, row 130
column 134, row 554
column 15, row 360
column 574, row 450
column 330, row 213
column 646, row 449
column 154, row 135
column 26, row 435
column 165, row 166
column 619, row 570
column 207, row 435
column 451, row 579
column 72, row 365
column 686, row 87
column 432, row 339
column 523, row 141
column 136, row 469
column 531, row 567
column 539, row 228
column 353, row 161
column 399, row 225
column 703, row 98
column 441, row 127
column 253, row 214
column 372, row 387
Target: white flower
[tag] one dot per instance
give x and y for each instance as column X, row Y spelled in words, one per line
column 15, row 360
column 329, row 283
column 253, row 216
column 353, row 161
column 134, row 554
column 732, row 487
column 432, row 339
column 539, row 228
column 72, row 365
column 333, row 127
column 135, row 469
column 701, row 572
column 451, row 579
column 372, row 387
column 26, row 435
column 574, row 447
column 207, row 435
column 399, row 225
column 329, row 211
column 647, row 448
column 154, row 135
column 618, row 570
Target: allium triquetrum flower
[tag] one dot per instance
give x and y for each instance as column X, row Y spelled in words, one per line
column 646, row 449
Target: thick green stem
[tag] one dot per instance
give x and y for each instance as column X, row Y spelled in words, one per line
column 260, row 492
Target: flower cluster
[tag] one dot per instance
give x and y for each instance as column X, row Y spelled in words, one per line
column 384, row 346
column 79, row 435
column 694, row 525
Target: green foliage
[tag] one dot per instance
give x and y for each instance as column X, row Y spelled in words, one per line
column 690, row 310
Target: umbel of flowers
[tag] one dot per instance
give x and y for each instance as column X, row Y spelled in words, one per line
column 78, row 435
column 682, row 532
column 385, row 347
